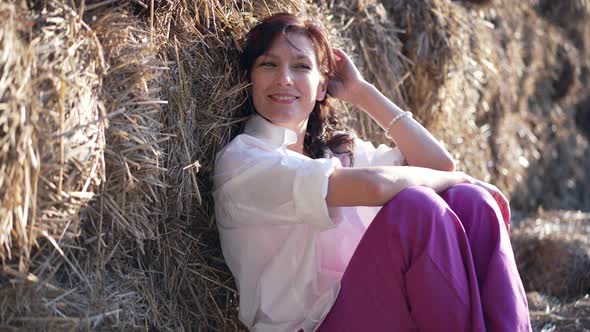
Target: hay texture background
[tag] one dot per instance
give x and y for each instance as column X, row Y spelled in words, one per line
column 111, row 113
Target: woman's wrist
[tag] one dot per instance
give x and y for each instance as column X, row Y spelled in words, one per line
column 361, row 94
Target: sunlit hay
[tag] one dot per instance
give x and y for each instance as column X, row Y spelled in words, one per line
column 426, row 31
column 52, row 124
column 131, row 200
column 127, row 222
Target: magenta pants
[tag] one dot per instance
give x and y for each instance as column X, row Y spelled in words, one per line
column 431, row 262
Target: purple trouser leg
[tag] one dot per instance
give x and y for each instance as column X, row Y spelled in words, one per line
column 432, row 262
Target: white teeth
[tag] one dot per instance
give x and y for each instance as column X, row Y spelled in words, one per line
column 285, row 97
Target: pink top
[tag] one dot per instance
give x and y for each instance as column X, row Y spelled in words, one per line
column 286, row 249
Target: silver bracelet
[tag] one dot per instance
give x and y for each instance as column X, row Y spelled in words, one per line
column 394, row 120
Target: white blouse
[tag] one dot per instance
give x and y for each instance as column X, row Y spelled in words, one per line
column 285, row 247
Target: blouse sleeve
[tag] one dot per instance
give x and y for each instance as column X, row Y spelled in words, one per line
column 270, row 188
column 366, row 155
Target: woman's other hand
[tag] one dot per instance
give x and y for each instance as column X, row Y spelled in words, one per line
column 347, row 79
column 497, row 195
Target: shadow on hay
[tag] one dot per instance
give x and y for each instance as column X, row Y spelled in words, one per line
column 569, row 15
column 558, row 179
column 583, row 117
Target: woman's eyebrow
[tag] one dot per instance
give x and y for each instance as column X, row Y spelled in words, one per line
column 300, row 56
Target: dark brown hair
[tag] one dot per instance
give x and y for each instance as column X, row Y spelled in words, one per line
column 325, row 129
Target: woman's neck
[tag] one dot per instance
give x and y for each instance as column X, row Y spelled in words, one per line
column 300, row 131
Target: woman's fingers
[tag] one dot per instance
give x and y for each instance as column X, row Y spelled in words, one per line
column 337, row 54
column 346, row 77
column 504, row 208
column 502, row 202
column 498, row 197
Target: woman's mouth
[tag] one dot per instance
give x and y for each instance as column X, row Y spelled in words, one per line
column 283, row 99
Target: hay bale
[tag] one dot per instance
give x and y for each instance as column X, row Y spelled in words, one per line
column 501, row 88
column 540, row 150
column 552, row 252
column 449, row 47
column 570, row 15
column 130, row 199
column 86, row 273
column 52, row 127
column 549, row 314
column 126, row 222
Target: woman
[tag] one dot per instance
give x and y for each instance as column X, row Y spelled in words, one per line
column 325, row 232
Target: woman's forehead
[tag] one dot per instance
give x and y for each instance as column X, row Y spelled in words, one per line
column 295, row 45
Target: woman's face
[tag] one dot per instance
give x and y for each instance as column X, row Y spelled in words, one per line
column 286, row 81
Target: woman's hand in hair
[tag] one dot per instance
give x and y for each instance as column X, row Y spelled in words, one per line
column 347, row 80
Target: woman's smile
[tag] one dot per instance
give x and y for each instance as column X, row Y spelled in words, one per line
column 283, row 98
column 286, row 82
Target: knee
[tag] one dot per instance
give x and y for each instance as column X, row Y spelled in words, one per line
column 465, row 192
column 418, row 213
column 415, row 204
column 472, row 200
column 416, row 198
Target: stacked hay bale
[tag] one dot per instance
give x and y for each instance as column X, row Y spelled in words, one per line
column 114, row 112
column 52, row 128
column 549, row 314
column 125, row 222
column 498, row 85
column 76, row 265
column 552, row 251
column 540, row 129
column 52, row 131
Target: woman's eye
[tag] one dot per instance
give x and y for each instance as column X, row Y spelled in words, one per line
column 303, row 66
column 266, row 64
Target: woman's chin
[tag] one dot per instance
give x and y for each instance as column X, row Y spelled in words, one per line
column 284, row 120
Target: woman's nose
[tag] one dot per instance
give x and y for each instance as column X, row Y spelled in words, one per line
column 284, row 76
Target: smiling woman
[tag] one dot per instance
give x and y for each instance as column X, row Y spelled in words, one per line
column 323, row 231
column 304, row 45
column 287, row 83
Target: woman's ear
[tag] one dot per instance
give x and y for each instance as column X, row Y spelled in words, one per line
column 322, row 89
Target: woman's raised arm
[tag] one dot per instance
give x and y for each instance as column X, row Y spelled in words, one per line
column 418, row 146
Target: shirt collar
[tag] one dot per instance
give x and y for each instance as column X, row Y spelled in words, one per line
column 259, row 127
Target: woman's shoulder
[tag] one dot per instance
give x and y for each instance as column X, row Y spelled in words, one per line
column 244, row 146
column 246, row 151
